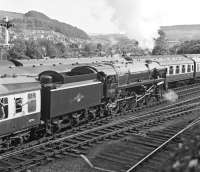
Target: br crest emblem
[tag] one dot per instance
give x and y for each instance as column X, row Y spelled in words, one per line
column 78, row 98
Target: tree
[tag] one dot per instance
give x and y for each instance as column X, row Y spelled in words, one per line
column 87, row 48
column 61, row 48
column 49, row 48
column 52, row 51
column 187, row 47
column 73, row 46
column 161, row 46
column 18, row 51
column 99, row 47
column 33, row 50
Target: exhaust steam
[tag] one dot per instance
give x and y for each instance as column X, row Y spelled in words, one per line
column 170, row 96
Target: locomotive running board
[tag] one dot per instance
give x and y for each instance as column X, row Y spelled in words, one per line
column 142, row 82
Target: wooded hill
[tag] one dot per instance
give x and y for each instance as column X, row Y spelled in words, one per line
column 34, row 20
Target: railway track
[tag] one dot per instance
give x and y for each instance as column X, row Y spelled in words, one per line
column 153, row 160
column 143, row 153
column 80, row 142
column 103, row 121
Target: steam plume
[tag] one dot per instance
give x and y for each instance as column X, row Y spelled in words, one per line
column 130, row 17
column 170, row 96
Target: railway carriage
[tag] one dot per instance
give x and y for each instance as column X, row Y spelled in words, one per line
column 196, row 59
column 181, row 69
column 20, row 108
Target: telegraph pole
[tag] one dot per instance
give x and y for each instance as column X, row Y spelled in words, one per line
column 5, row 24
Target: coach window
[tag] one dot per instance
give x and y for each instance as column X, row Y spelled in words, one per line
column 198, row 67
column 171, row 70
column 177, row 69
column 31, row 102
column 3, row 108
column 18, row 105
column 189, row 68
column 183, row 68
column 192, row 67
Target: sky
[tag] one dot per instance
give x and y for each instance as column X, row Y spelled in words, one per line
column 139, row 19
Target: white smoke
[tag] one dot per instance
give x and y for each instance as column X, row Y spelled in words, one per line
column 171, row 96
column 136, row 20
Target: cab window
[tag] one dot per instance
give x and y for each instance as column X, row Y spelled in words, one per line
column 31, row 102
column 189, row 68
column 18, row 104
column 171, row 70
column 183, row 68
column 177, row 69
column 3, row 108
column 198, row 67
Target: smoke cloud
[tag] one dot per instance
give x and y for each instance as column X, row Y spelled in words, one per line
column 170, row 96
column 130, row 17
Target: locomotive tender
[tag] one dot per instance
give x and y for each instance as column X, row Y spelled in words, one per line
column 58, row 98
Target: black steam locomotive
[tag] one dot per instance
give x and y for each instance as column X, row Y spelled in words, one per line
column 40, row 99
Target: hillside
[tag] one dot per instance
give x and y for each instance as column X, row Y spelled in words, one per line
column 26, row 25
column 179, row 33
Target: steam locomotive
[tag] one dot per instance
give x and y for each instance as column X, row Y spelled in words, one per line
column 43, row 99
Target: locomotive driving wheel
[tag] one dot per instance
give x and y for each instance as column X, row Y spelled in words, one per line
column 113, row 108
column 100, row 111
column 76, row 119
column 132, row 105
column 150, row 100
column 140, row 103
column 123, row 107
column 92, row 115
